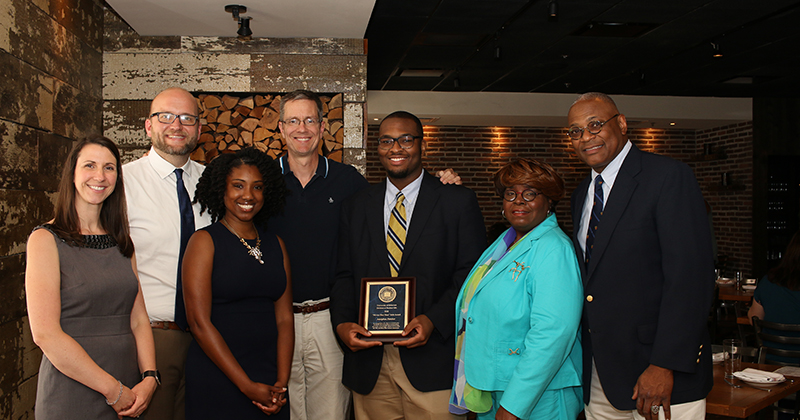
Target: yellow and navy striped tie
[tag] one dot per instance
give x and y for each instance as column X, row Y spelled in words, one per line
column 396, row 236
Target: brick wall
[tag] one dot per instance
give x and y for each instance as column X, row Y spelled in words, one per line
column 732, row 207
column 477, row 152
column 51, row 62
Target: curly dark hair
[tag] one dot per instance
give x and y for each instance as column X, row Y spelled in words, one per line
column 210, row 192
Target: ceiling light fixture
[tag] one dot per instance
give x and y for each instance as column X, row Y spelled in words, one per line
column 244, row 31
column 552, row 10
column 244, row 27
column 717, row 51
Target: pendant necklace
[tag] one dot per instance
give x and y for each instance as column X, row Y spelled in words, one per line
column 253, row 251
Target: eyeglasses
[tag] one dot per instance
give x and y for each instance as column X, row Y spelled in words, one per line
column 527, row 195
column 405, row 142
column 295, row 122
column 594, row 127
column 168, row 118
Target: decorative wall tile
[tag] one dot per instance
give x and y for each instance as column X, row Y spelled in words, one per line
column 287, row 72
column 143, row 76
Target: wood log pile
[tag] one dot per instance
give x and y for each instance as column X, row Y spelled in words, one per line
column 232, row 121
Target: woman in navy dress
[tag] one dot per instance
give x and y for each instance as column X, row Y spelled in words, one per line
column 238, row 296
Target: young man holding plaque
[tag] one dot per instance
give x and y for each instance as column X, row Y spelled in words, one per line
column 409, row 226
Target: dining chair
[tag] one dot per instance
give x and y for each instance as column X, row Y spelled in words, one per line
column 782, row 341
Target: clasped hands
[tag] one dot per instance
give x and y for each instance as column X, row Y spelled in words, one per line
column 418, row 332
column 133, row 402
column 268, row 398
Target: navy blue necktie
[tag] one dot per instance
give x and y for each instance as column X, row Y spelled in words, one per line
column 594, row 220
column 187, row 229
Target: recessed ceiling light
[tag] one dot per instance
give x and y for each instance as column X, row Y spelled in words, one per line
column 672, row 123
column 421, row 73
column 744, row 80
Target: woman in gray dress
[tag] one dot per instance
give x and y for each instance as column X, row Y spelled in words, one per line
column 85, row 305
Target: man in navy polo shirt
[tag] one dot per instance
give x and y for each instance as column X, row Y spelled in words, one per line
column 309, row 227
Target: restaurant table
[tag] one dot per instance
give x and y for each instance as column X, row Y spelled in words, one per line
column 726, row 400
column 729, row 293
column 739, row 300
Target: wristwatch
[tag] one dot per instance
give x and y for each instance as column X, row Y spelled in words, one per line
column 153, row 373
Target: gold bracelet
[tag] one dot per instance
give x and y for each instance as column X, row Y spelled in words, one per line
column 118, row 396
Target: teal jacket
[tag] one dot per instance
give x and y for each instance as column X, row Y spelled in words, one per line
column 522, row 329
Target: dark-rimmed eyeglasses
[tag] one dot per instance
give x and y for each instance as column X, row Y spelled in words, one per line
column 168, row 118
column 405, row 142
column 527, row 195
column 594, row 127
column 295, row 122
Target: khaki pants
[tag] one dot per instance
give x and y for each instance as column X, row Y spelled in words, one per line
column 172, row 347
column 395, row 398
column 599, row 408
column 315, row 387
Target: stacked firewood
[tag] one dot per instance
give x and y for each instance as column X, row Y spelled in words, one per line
column 230, row 122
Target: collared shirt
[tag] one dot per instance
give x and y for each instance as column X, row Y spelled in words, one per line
column 610, row 173
column 411, row 192
column 154, row 216
column 309, row 225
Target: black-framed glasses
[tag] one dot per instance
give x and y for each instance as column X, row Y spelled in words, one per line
column 594, row 127
column 527, row 195
column 405, row 142
column 295, row 122
column 168, row 118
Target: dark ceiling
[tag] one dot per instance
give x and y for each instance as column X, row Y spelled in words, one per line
column 634, row 47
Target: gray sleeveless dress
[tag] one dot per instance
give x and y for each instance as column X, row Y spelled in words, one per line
column 98, row 289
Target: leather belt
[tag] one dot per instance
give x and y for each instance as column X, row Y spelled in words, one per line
column 311, row 308
column 165, row 325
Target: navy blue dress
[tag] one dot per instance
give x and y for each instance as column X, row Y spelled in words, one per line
column 243, row 310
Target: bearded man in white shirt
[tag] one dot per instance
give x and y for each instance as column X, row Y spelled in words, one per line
column 154, row 213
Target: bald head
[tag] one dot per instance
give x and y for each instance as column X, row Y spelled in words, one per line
column 174, row 141
column 598, row 149
column 174, row 96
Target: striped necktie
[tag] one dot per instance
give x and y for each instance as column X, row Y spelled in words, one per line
column 396, row 236
column 594, row 221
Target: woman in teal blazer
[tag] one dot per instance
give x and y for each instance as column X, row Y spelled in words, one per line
column 518, row 352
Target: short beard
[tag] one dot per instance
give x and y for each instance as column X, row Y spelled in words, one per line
column 187, row 149
column 401, row 174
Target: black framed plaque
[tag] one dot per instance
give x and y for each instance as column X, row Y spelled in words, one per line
column 387, row 306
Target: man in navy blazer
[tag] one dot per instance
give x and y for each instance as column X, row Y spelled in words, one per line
column 647, row 274
column 410, row 378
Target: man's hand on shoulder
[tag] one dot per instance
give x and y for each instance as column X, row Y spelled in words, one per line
column 418, row 330
column 448, row 176
column 349, row 333
column 653, row 388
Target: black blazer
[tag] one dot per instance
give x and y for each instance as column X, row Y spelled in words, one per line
column 650, row 282
column 445, row 238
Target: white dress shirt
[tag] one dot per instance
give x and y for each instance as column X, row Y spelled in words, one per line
column 609, row 176
column 410, row 192
column 154, row 217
